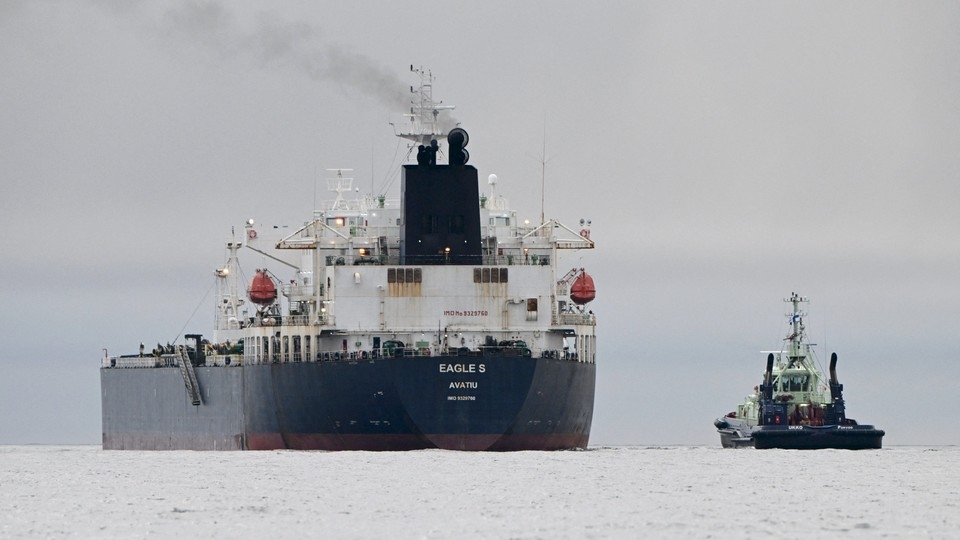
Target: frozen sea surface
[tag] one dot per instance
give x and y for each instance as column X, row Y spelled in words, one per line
column 606, row 492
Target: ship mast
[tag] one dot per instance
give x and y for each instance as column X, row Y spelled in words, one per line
column 340, row 185
column 425, row 122
column 797, row 347
column 227, row 316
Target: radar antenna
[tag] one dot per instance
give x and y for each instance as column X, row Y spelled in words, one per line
column 340, row 185
column 426, row 115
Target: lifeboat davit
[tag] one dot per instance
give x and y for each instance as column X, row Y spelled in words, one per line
column 583, row 290
column 262, row 290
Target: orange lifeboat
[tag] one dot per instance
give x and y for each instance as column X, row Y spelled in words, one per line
column 262, row 290
column 583, row 291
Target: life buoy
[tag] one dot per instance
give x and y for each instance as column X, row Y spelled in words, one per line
column 585, row 233
column 252, row 234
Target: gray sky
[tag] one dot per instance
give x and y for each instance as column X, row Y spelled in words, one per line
column 728, row 154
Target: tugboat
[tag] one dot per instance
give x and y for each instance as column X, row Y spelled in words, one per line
column 796, row 407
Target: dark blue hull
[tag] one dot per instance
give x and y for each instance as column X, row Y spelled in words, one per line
column 857, row 437
column 493, row 402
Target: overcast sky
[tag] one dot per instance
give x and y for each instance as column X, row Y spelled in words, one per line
column 728, row 153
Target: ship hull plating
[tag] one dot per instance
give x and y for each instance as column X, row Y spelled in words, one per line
column 730, row 438
column 149, row 409
column 860, row 437
column 735, row 433
column 494, row 402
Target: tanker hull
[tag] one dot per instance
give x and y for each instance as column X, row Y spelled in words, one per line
column 493, row 402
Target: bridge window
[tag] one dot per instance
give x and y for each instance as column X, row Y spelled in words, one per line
column 490, row 275
column 404, row 275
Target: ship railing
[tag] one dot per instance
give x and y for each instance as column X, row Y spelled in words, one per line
column 224, row 360
column 363, row 204
column 134, row 362
column 279, row 357
column 576, row 318
column 296, row 320
column 297, row 291
column 360, row 260
column 561, row 355
column 276, row 320
column 518, row 259
column 486, row 259
column 165, row 360
column 234, row 360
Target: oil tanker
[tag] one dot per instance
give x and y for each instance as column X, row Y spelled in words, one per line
column 439, row 320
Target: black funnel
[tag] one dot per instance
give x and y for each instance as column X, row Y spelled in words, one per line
column 440, row 222
column 768, row 378
column 836, row 389
column 833, row 368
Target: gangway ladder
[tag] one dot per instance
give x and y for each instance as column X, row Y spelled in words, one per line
column 189, row 376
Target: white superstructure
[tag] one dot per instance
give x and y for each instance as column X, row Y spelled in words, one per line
column 350, row 294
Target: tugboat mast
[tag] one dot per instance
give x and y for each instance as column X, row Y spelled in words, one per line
column 797, row 347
